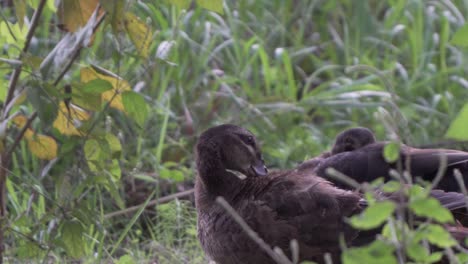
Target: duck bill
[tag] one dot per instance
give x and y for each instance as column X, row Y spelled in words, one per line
column 259, row 168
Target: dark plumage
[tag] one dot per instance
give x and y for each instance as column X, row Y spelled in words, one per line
column 279, row 206
column 352, row 139
column 367, row 163
column 348, row 140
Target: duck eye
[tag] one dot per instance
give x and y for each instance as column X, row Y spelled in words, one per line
column 249, row 140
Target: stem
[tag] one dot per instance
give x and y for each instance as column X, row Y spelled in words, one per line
column 5, row 157
column 276, row 255
column 18, row 138
column 17, row 71
column 164, row 199
column 78, row 50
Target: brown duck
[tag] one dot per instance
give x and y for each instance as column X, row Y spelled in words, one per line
column 362, row 159
column 279, row 206
column 348, row 140
column 352, row 139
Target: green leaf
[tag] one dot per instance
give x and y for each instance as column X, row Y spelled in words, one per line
column 113, row 187
column 126, row 259
column 421, row 254
column 416, row 251
column 460, row 37
column 457, row 129
column 28, row 250
column 435, row 257
column 391, row 152
column 175, row 175
column 114, row 145
column 391, row 186
column 72, row 238
column 96, row 87
column 87, row 101
column 400, row 229
column 3, row 89
column 182, row 4
column 436, row 235
column 373, row 216
column 114, row 169
column 20, row 8
column 213, row 5
column 416, row 192
column 462, row 257
column 135, row 106
column 377, row 183
column 92, row 153
column 43, row 102
column 431, row 208
column 378, row 252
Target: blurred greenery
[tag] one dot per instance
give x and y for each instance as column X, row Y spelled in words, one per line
column 156, row 74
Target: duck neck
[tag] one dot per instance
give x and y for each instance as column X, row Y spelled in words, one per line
column 215, row 180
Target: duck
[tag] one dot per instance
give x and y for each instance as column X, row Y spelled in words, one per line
column 346, row 141
column 359, row 156
column 280, row 206
column 352, row 139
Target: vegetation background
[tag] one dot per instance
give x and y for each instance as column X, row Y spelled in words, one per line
column 101, row 104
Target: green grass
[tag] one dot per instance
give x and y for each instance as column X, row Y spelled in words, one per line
column 294, row 72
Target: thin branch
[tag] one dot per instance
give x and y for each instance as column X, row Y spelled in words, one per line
column 17, row 71
column 161, row 200
column 59, row 78
column 278, row 258
column 78, row 50
column 20, row 136
column 461, row 184
column 440, row 171
column 336, row 175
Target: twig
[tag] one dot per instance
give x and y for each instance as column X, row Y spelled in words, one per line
column 8, row 26
column 461, row 183
column 19, row 137
column 440, row 171
column 336, row 175
column 161, row 200
column 394, row 239
column 17, row 71
column 78, row 50
column 278, row 258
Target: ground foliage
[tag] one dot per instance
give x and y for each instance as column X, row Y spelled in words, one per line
column 111, row 96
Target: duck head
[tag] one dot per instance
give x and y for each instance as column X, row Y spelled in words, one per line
column 231, row 148
column 352, row 139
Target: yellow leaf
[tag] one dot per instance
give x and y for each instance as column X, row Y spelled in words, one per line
column 20, row 121
column 118, row 86
column 21, row 98
column 139, row 33
column 67, row 118
column 75, row 14
column 115, row 12
column 43, row 147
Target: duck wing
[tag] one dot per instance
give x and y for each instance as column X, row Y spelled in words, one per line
column 316, row 210
column 367, row 164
